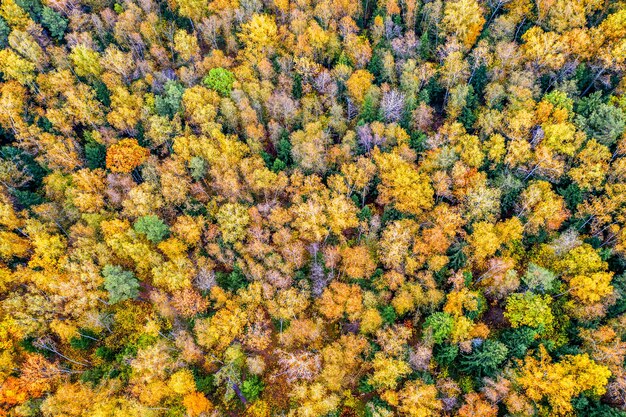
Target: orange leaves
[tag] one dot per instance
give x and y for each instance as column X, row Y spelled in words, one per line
column 357, row 262
column 339, row 299
column 126, row 155
column 196, row 404
column 37, row 376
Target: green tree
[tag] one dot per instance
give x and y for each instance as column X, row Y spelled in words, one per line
column 169, row 103
column 220, row 80
column 440, row 325
column 153, row 227
column 252, row 388
column 54, row 22
column 4, row 33
column 121, row 285
column 599, row 120
column 485, row 359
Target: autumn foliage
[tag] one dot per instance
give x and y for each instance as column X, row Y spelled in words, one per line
column 314, row 208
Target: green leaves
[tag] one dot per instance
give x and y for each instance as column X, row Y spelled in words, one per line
column 54, row 22
column 169, row 103
column 121, row 285
column 153, row 227
column 252, row 388
column 485, row 359
column 220, row 80
column 600, row 121
column 440, row 325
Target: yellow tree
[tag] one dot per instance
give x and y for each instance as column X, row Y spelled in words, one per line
column 463, row 19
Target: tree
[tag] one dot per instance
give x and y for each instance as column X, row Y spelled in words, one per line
column 401, row 184
column 417, row 399
column 220, row 80
column 86, row 61
column 125, row 155
column 464, row 20
column 538, row 279
column 358, row 84
column 260, row 36
column 528, row 309
column 601, row 121
column 153, row 227
column 120, row 284
column 542, row 206
column 54, row 22
column 558, row 383
column 233, row 219
column 486, row 358
column 439, row 325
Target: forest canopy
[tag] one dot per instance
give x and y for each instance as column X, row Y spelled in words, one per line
column 312, row 208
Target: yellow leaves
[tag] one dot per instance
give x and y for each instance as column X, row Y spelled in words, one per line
column 341, row 214
column 590, row 289
column 408, row 298
column 193, row 9
column 87, row 190
column 559, row 382
column 387, row 371
column 342, row 361
column 200, row 105
column 126, row 155
column 357, row 262
column 529, row 309
column 487, row 238
column 186, row 45
column 475, row 405
column 182, row 382
column 218, row 331
column 464, row 20
column 6, row 279
column 544, row 48
column 358, row 84
column 316, row 217
column 287, row 304
column 402, row 184
column 189, row 229
column 125, row 109
column 259, row 36
column 309, row 145
column 358, row 49
column 12, row 245
column 594, row 164
column 371, row 320
column 460, row 301
column 542, row 207
column 417, row 399
column 68, row 401
column 395, row 243
column 562, row 138
column 582, row 259
column 14, row 14
column 15, row 67
column 48, row 248
column 86, row 61
column 25, row 45
column 173, row 275
column 233, row 220
column 312, row 400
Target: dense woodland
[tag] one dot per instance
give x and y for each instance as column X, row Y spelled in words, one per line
column 306, row 208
